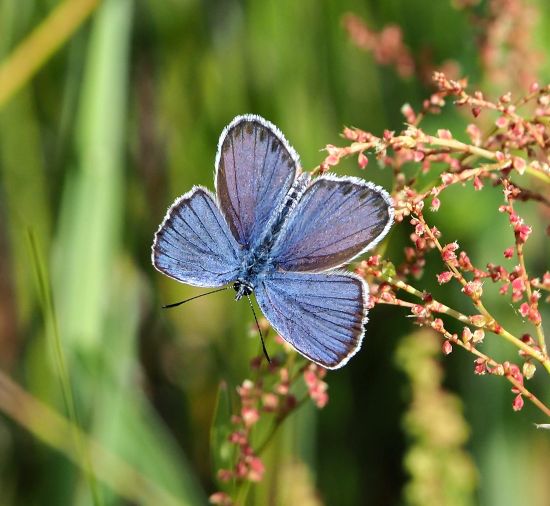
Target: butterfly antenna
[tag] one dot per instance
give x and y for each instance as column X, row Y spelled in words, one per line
column 259, row 330
column 168, row 306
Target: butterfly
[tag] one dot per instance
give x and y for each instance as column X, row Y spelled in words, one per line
column 281, row 235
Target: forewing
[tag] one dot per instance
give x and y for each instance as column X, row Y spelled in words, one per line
column 322, row 315
column 336, row 219
column 194, row 244
column 255, row 168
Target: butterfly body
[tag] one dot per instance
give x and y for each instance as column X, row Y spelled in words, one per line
column 259, row 261
column 280, row 235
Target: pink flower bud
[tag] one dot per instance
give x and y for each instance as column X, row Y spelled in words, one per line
column 518, row 287
column 241, row 469
column 524, row 309
column 478, row 336
column 418, row 156
column 270, row 402
column 374, row 261
column 447, row 178
column 517, row 405
column 509, row 252
column 519, row 164
column 478, row 184
column 502, row 122
column 225, row 475
column 464, row 262
column 250, row 416
column 447, row 347
column 513, row 370
column 534, row 316
column 310, row 378
column 237, row 437
column 331, row 160
column 444, row 277
column 409, row 113
column 246, row 390
column 522, row 232
column 220, row 498
column 498, row 370
column 362, row 160
column 480, row 366
column 256, row 469
column 473, row 289
column 448, row 253
column 466, row 335
column 437, row 325
column 475, row 134
column 282, row 388
column 435, row 204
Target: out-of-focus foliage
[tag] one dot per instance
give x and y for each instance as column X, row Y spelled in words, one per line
column 441, row 472
column 121, row 116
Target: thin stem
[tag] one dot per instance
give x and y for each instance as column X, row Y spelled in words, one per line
column 278, row 422
column 243, row 486
column 524, row 347
column 52, row 331
column 460, row 147
column 468, row 149
column 538, row 326
column 490, row 323
column 524, row 391
column 434, row 306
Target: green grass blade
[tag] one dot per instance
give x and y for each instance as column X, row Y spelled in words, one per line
column 52, row 331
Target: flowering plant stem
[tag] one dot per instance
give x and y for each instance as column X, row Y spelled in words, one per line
column 514, row 147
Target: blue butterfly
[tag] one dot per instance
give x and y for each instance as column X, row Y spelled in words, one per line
column 275, row 232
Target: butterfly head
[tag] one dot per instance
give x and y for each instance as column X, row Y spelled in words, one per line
column 242, row 288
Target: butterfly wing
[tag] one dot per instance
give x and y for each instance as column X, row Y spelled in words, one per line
column 194, row 244
column 255, row 168
column 322, row 315
column 336, row 219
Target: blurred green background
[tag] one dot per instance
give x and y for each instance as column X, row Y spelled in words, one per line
column 122, row 119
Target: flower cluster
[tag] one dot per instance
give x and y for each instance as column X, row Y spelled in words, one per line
column 502, row 29
column 269, row 398
column 512, row 155
column 387, row 46
column 317, row 388
column 505, row 48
